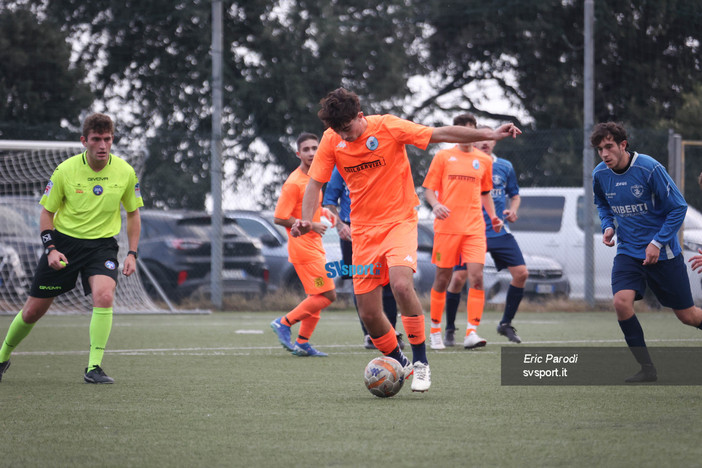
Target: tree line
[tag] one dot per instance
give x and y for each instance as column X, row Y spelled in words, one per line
column 149, row 64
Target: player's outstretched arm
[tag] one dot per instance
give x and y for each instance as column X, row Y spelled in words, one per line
column 461, row 134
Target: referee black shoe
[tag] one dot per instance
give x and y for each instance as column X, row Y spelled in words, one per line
column 646, row 374
column 3, row 367
column 97, row 376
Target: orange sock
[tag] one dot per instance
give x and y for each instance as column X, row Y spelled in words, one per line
column 476, row 304
column 414, row 326
column 436, row 311
column 307, row 327
column 306, row 308
column 387, row 343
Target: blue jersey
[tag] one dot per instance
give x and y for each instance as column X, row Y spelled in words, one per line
column 504, row 185
column 337, row 194
column 645, row 204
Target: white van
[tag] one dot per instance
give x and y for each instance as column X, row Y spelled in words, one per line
column 551, row 222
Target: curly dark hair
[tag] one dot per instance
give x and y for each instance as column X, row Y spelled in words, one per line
column 603, row 130
column 339, row 107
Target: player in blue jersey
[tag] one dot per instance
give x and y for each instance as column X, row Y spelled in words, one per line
column 338, row 201
column 637, row 199
column 502, row 246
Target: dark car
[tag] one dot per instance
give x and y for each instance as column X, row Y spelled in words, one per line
column 546, row 278
column 175, row 248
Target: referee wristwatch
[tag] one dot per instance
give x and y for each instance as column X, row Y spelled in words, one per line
column 49, row 249
column 133, row 252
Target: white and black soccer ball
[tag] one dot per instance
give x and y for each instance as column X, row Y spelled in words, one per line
column 384, row 376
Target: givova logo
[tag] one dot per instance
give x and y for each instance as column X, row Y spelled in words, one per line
column 339, row 268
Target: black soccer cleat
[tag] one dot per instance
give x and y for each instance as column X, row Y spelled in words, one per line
column 3, row 367
column 506, row 329
column 646, row 374
column 97, row 376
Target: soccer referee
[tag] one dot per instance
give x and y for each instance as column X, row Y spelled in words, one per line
column 79, row 222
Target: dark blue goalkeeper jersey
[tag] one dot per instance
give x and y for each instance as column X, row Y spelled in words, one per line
column 642, row 204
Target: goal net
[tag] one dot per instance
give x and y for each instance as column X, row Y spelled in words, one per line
column 25, row 169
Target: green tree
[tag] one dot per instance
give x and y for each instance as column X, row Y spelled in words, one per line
column 39, row 87
column 280, row 59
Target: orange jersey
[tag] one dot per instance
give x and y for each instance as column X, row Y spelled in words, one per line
column 307, row 248
column 375, row 168
column 459, row 178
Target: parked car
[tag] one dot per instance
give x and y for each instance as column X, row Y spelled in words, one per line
column 14, row 281
column 275, row 249
column 175, row 247
column 19, row 236
column 551, row 219
column 546, row 278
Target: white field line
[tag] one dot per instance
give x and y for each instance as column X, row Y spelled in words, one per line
column 348, row 348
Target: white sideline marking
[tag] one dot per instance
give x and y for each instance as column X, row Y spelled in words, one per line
column 247, row 350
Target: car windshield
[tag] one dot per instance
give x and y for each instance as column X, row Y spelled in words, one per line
column 201, row 228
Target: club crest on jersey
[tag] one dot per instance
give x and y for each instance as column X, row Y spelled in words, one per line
column 372, row 143
column 476, row 164
column 48, row 188
column 97, row 190
column 110, row 265
column 637, row 190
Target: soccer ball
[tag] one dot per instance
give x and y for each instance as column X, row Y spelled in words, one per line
column 384, row 376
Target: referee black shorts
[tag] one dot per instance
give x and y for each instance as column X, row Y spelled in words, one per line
column 87, row 257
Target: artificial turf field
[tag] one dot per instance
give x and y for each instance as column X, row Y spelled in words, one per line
column 218, row 390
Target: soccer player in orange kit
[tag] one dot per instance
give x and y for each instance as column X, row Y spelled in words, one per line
column 306, row 253
column 458, row 186
column 369, row 152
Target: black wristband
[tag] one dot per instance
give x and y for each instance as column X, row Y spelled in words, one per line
column 47, row 237
column 133, row 253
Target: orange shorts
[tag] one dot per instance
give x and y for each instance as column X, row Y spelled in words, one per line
column 456, row 249
column 385, row 245
column 314, row 277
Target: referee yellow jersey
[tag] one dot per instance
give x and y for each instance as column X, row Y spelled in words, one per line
column 85, row 202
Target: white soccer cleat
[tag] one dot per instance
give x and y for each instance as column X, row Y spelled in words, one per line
column 436, row 341
column 472, row 340
column 422, row 377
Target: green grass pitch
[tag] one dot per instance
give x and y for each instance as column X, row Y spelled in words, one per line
column 218, row 390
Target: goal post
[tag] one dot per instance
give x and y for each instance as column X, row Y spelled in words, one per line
column 25, row 169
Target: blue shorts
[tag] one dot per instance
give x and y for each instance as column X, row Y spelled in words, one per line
column 667, row 279
column 504, row 251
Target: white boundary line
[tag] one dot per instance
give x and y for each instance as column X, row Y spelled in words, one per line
column 226, row 350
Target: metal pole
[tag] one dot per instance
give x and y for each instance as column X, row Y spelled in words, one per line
column 216, row 149
column 588, row 122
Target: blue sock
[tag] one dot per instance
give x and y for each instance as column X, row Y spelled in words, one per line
column 452, row 301
column 514, row 298
column 634, row 337
column 389, row 305
column 419, row 353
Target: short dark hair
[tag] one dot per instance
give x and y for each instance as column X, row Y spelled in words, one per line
column 304, row 136
column 465, row 119
column 98, row 123
column 603, row 130
column 338, row 108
